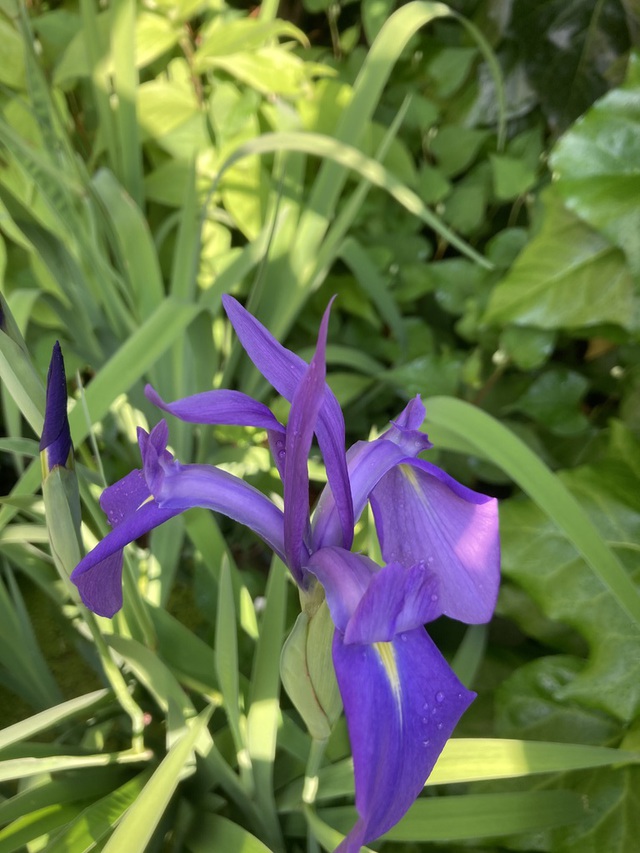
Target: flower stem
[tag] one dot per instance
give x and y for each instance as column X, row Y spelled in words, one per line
column 310, row 788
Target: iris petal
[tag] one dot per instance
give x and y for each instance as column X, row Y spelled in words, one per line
column 422, row 514
column 179, row 487
column 56, row 436
column 284, row 370
column 402, row 702
column 218, row 407
column 345, row 578
column 305, row 407
column 367, row 463
column 397, row 600
column 98, row 575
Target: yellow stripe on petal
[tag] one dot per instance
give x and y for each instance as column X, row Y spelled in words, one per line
column 387, row 655
column 410, row 474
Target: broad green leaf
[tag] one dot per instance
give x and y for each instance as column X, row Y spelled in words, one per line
column 15, row 836
column 226, row 654
column 20, row 768
column 224, row 37
column 22, row 381
column 543, row 562
column 475, row 815
column 568, row 276
column 137, row 826
column 597, row 163
column 12, row 71
column 527, row 346
column 532, row 702
column 51, row 717
column 132, row 242
column 476, row 760
column 158, row 679
column 455, row 148
column 214, row 832
column 613, row 819
column 97, row 820
column 568, row 50
column 511, row 176
column 74, row 786
column 134, row 358
column 554, row 400
column 188, row 657
column 263, row 716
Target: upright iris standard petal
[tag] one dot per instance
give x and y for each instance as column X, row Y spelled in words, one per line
column 55, row 442
column 305, row 407
column 402, row 702
column 422, row 514
column 284, row 370
column 226, row 407
column 367, row 463
column 218, row 407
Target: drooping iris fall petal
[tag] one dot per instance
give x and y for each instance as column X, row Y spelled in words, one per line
column 402, row 702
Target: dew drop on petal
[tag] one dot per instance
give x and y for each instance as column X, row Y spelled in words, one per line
column 434, row 597
column 281, row 454
column 425, row 720
column 425, row 707
column 439, row 726
column 439, row 696
column 426, row 742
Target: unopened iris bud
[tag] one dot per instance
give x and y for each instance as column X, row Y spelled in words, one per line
column 55, row 444
column 59, row 482
column 306, row 668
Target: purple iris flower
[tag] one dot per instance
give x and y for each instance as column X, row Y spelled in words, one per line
column 438, row 538
column 56, row 436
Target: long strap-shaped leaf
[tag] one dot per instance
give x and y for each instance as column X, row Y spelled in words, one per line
column 136, row 828
column 492, row 440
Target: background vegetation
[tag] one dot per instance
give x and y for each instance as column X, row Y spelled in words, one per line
column 466, row 178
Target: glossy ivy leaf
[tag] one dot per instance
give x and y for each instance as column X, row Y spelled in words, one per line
column 553, row 399
column 598, row 166
column 568, row 48
column 531, row 704
column 613, row 822
column 455, row 147
column 557, row 281
column 527, row 347
column 539, row 558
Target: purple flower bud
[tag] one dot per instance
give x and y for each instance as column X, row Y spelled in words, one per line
column 55, row 444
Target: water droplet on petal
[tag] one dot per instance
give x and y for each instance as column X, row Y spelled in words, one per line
column 440, row 726
column 426, row 742
column 403, row 638
column 425, row 707
column 281, row 454
column 434, row 597
column 439, row 696
column 425, row 720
